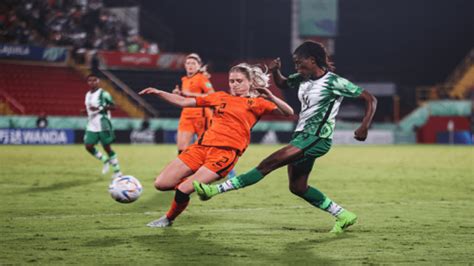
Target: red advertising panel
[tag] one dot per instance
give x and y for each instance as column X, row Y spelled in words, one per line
column 164, row 61
column 438, row 124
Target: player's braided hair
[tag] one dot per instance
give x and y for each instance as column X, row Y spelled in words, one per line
column 255, row 74
column 318, row 52
column 203, row 68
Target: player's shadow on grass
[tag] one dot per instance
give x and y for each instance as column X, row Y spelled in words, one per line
column 106, row 242
column 60, row 186
column 299, row 252
column 183, row 247
column 178, row 247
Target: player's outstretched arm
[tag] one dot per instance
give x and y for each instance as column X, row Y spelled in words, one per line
column 283, row 107
column 278, row 77
column 170, row 97
column 196, row 94
column 370, row 105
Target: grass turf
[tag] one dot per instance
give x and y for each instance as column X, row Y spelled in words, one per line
column 415, row 205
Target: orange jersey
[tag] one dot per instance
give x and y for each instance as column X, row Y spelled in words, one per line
column 198, row 83
column 232, row 120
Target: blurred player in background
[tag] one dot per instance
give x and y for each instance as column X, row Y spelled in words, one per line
column 218, row 149
column 196, row 83
column 320, row 92
column 99, row 103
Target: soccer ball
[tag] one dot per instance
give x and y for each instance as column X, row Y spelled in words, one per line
column 125, row 189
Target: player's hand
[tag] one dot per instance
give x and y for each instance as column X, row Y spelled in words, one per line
column 83, row 111
column 361, row 133
column 275, row 64
column 149, row 90
column 265, row 93
column 177, row 90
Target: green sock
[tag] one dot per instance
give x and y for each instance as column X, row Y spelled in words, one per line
column 114, row 162
column 247, row 179
column 316, row 198
column 319, row 200
column 97, row 154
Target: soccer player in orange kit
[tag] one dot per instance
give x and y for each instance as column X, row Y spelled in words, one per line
column 218, row 149
column 193, row 120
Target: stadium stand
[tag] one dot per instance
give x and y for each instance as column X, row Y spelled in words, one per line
column 166, row 80
column 53, row 90
column 77, row 24
column 457, row 85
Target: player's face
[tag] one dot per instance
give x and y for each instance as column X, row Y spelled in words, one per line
column 93, row 82
column 304, row 66
column 239, row 84
column 191, row 66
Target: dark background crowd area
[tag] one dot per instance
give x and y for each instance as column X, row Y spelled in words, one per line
column 81, row 24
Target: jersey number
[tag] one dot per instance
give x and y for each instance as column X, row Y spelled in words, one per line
column 306, row 102
column 220, row 109
column 221, row 161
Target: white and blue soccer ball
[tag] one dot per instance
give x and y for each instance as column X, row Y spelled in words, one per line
column 125, row 189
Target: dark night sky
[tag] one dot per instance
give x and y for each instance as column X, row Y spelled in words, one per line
column 410, row 42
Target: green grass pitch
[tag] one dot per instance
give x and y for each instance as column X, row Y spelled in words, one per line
column 415, row 205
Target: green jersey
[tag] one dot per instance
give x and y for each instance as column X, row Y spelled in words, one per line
column 320, row 100
column 98, row 120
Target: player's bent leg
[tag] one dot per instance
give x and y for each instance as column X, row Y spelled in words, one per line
column 178, row 205
column 298, row 174
column 113, row 160
column 90, row 148
column 280, row 158
column 199, row 181
column 181, row 199
column 98, row 155
column 105, row 167
column 276, row 160
column 172, row 175
column 202, row 175
column 205, row 192
column 168, row 179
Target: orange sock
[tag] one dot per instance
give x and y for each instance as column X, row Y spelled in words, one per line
column 179, row 204
column 176, row 209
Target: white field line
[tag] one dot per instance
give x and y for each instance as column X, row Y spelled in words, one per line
column 224, row 210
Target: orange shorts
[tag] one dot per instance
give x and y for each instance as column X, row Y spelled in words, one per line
column 196, row 125
column 217, row 159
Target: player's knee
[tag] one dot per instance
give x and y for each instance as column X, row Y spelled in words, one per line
column 162, row 185
column 297, row 189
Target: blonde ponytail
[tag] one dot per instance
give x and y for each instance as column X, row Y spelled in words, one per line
column 256, row 75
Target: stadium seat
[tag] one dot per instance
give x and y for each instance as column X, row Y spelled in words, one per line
column 53, row 90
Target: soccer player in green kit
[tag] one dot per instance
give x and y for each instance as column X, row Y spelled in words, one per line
column 320, row 92
column 99, row 127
